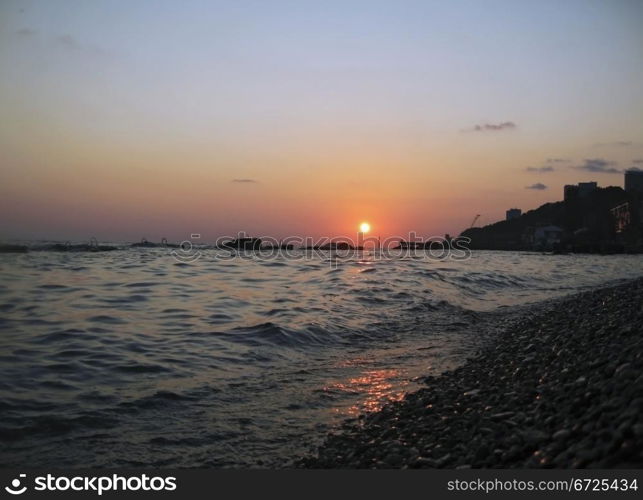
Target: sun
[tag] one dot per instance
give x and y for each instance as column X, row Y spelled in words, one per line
column 364, row 227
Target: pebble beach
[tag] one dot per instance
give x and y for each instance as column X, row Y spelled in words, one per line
column 561, row 387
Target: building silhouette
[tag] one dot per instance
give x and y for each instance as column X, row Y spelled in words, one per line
column 580, row 190
column 634, row 181
column 513, row 213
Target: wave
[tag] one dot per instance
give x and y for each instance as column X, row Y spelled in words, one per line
column 228, row 352
column 272, row 334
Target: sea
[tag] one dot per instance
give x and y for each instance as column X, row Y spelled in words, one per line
column 142, row 357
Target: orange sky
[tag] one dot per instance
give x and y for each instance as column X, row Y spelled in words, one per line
column 122, row 123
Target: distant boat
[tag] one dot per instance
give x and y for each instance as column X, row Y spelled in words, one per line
column 342, row 245
column 145, row 244
column 421, row 245
column 148, row 244
column 82, row 247
column 280, row 246
column 243, row 244
column 410, row 245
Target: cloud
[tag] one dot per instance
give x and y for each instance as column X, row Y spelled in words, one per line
column 638, row 161
column 598, row 165
column 540, row 169
column 617, row 144
column 494, row 127
column 634, row 169
column 70, row 44
column 67, row 42
column 556, row 160
column 548, row 165
column 538, row 186
column 245, row 181
column 25, row 32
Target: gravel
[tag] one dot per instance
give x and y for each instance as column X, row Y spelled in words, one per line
column 562, row 387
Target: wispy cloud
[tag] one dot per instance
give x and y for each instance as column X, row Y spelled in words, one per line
column 25, row 32
column 544, row 169
column 67, row 42
column 493, row 127
column 539, row 186
column 599, row 165
column 72, row 45
column 64, row 42
column 245, row 181
column 556, row 160
column 548, row 165
column 617, row 144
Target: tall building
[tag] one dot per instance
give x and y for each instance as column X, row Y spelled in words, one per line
column 634, row 181
column 579, row 190
column 513, row 213
column 570, row 192
column 585, row 188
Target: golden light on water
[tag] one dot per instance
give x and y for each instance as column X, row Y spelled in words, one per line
column 364, row 227
column 375, row 387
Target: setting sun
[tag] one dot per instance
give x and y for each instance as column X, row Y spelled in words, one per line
column 364, row 227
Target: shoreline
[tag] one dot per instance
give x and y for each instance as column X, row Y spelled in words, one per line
column 562, row 387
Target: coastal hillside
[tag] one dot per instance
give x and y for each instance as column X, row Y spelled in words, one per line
column 584, row 223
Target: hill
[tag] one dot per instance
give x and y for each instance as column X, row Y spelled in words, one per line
column 580, row 224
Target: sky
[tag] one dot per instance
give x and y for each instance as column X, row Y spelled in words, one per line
column 123, row 120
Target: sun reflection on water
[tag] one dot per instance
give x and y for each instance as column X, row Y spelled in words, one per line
column 377, row 387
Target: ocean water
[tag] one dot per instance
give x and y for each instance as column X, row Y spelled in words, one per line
column 131, row 358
